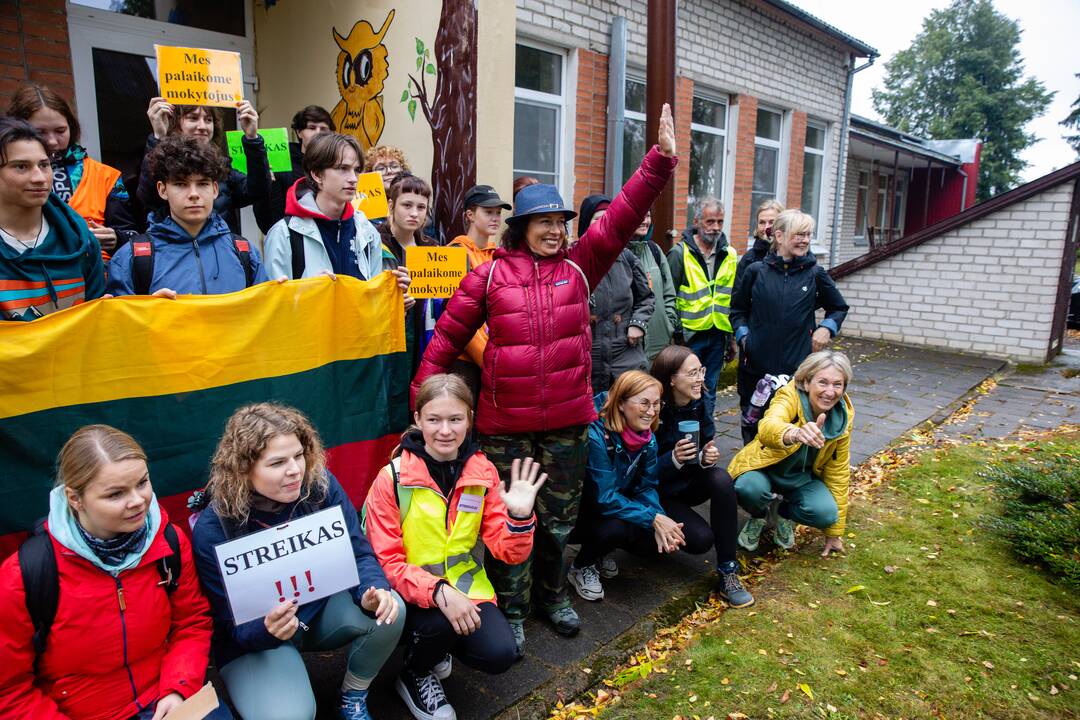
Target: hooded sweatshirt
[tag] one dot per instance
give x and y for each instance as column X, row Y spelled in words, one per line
column 65, row 269
column 208, row 264
column 348, row 245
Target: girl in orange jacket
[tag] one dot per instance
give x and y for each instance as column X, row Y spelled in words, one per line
column 424, row 515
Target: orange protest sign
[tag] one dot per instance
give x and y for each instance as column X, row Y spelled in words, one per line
column 436, row 272
column 194, row 76
column 371, row 196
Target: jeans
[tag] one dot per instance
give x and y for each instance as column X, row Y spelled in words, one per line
column 711, row 348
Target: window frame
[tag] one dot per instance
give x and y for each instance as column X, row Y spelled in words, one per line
column 719, row 99
column 634, row 115
column 861, row 208
column 823, row 153
column 779, row 186
column 559, row 103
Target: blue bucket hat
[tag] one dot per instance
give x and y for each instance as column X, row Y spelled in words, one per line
column 540, row 200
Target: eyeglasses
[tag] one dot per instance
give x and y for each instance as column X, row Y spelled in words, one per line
column 391, row 167
column 646, row 406
column 699, row 373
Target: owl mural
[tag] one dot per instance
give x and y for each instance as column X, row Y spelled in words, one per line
column 361, row 72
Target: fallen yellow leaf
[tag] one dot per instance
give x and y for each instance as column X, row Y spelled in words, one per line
column 806, row 690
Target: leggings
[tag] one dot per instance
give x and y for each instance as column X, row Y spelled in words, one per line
column 274, row 685
column 809, row 504
column 429, row 637
column 715, row 486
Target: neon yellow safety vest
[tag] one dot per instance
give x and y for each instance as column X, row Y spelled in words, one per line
column 703, row 303
column 428, row 544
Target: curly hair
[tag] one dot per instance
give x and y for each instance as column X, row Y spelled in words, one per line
column 178, row 158
column 384, row 152
column 246, row 435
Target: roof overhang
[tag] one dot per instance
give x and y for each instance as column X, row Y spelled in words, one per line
column 819, row 27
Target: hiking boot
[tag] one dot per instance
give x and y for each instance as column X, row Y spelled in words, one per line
column 608, row 567
column 784, row 533
column 565, row 620
column 517, row 627
column 586, row 581
column 443, row 669
column 354, row 705
column 424, row 696
column 732, row 592
column 750, row 536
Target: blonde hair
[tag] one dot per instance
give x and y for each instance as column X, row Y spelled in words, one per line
column 770, row 204
column 245, row 438
column 91, row 448
column 793, row 222
column 821, row 360
column 630, row 383
column 384, row 152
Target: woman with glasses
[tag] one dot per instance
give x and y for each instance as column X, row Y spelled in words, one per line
column 773, row 310
column 620, row 504
column 689, row 471
column 386, row 160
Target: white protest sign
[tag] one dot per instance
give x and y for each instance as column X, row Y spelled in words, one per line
column 305, row 559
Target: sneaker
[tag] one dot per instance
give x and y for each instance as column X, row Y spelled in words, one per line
column 586, row 581
column 732, row 592
column 424, row 696
column 517, row 627
column 784, row 534
column 443, row 669
column 566, row 621
column 354, row 705
column 750, row 536
column 608, row 567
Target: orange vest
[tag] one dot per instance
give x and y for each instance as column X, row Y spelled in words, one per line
column 98, row 180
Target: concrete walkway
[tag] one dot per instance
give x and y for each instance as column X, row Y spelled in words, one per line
column 895, row 389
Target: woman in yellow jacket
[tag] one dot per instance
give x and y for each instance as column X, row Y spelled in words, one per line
column 798, row 468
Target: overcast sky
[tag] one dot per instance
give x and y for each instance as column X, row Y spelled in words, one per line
column 1048, row 46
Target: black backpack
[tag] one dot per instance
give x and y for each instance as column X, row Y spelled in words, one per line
column 142, row 261
column 296, row 246
column 41, row 581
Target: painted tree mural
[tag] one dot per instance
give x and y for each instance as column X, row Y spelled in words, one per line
column 450, row 111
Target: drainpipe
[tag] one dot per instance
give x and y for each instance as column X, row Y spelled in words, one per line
column 841, row 164
column 963, row 193
column 613, row 170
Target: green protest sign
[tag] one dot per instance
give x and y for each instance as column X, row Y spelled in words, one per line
column 277, row 149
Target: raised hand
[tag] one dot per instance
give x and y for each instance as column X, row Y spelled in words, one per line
column 666, row 135
column 525, row 481
column 160, row 113
column 247, row 119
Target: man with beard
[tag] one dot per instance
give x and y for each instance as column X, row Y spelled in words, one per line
column 703, row 272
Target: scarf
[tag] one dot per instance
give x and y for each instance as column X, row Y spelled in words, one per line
column 634, row 440
column 113, row 551
column 66, row 529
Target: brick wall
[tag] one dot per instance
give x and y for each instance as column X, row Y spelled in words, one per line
column 988, row 287
column 796, row 157
column 684, row 98
column 34, row 47
column 738, row 216
column 590, row 133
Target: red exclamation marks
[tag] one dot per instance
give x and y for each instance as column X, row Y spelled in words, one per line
column 296, row 590
column 311, row 585
column 281, row 595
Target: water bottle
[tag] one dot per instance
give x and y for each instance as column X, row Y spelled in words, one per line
column 761, row 395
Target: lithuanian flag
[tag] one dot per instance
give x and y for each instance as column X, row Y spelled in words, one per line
column 171, row 372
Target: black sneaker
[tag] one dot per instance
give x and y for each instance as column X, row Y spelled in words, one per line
column 424, row 696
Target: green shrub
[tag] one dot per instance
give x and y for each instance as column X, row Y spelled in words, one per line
column 1040, row 512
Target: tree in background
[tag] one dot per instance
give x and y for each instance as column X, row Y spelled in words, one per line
column 962, row 77
column 1073, row 121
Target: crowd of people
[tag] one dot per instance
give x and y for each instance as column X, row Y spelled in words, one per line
column 564, row 395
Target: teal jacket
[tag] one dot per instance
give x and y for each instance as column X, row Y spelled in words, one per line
column 65, row 269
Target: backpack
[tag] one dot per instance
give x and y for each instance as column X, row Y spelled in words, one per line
column 142, row 261
column 296, row 247
column 41, row 581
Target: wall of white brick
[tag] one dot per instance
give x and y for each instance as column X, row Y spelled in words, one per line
column 726, row 46
column 987, row 288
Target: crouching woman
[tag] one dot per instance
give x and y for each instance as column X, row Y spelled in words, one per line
column 426, row 513
column 268, row 469
column 797, row 469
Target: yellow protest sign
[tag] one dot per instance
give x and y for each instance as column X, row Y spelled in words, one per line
column 195, row 76
column 436, row 272
column 371, row 196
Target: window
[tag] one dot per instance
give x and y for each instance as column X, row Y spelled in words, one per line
column 538, row 114
column 708, row 135
column 223, row 16
column 767, row 145
column 898, row 208
column 813, row 169
column 861, row 198
column 633, row 146
column 882, row 201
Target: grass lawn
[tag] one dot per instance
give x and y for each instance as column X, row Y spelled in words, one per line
column 927, row 616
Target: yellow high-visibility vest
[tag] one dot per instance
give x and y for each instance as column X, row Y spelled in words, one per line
column 705, row 303
column 429, row 545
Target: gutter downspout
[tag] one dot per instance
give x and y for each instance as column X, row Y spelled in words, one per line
column 841, row 163
column 616, row 109
column 963, row 195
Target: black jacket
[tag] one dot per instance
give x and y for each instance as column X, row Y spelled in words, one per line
column 272, row 208
column 773, row 311
column 755, row 253
column 236, row 192
column 672, row 479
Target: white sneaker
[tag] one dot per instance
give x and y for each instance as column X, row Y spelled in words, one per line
column 443, row 669
column 608, row 567
column 587, row 582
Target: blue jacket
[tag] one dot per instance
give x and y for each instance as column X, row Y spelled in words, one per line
column 673, row 479
column 206, row 265
column 231, row 641
column 618, row 483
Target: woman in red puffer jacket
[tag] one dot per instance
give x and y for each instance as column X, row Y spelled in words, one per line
column 535, row 397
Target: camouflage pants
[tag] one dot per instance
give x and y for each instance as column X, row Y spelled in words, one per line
column 562, row 454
